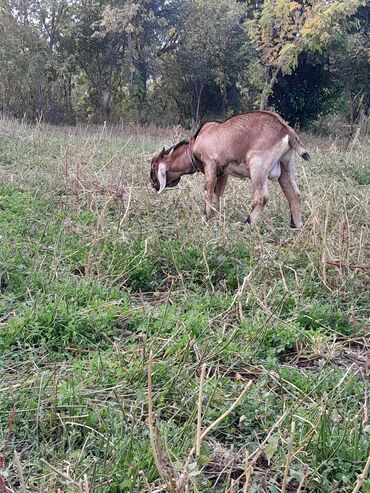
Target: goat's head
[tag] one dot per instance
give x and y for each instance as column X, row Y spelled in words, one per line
column 168, row 167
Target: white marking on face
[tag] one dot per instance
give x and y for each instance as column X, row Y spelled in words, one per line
column 162, row 171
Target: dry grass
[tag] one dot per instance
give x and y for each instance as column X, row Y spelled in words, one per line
column 97, row 272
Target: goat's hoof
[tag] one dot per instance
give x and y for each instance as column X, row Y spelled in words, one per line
column 295, row 226
column 248, row 220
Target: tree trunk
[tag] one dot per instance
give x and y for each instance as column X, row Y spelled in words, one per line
column 50, row 103
column 199, row 99
column 142, row 68
column 108, row 103
column 70, row 114
column 130, row 60
column 267, row 90
column 224, row 92
column 99, row 86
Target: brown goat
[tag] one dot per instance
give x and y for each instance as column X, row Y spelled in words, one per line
column 257, row 145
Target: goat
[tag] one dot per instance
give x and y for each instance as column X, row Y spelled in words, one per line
column 257, row 145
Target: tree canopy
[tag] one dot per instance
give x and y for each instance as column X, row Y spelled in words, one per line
column 169, row 62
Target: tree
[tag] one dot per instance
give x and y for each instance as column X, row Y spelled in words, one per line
column 200, row 73
column 19, row 52
column 52, row 17
column 97, row 57
column 182, row 60
column 283, row 29
column 138, row 25
column 35, row 81
column 350, row 66
column 306, row 93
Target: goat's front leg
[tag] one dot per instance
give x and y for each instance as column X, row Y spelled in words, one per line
column 221, row 182
column 209, row 186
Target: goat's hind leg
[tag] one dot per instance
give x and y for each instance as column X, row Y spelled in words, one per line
column 290, row 188
column 260, row 193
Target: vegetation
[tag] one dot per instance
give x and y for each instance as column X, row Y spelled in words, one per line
column 180, row 61
column 141, row 348
column 97, row 272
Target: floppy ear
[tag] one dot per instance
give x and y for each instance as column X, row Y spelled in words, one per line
column 162, row 171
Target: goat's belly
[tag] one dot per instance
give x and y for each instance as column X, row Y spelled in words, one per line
column 275, row 172
column 238, row 170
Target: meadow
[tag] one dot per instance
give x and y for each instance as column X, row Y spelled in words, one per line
column 114, row 301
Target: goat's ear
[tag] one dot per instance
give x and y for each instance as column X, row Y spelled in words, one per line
column 162, row 178
column 161, row 154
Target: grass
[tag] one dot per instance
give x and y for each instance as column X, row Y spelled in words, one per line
column 97, row 273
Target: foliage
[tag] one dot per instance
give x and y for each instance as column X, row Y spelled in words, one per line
column 281, row 30
column 181, row 61
column 307, row 93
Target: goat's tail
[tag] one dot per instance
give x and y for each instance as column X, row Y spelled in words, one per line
column 296, row 144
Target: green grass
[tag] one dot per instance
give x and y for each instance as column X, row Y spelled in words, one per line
column 97, row 272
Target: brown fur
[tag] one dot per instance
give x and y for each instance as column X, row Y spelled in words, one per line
column 252, row 145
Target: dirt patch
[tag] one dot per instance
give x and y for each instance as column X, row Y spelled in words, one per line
column 343, row 353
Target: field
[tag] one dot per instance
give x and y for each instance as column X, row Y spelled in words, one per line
column 100, row 279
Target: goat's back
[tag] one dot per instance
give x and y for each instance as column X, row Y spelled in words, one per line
column 234, row 138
